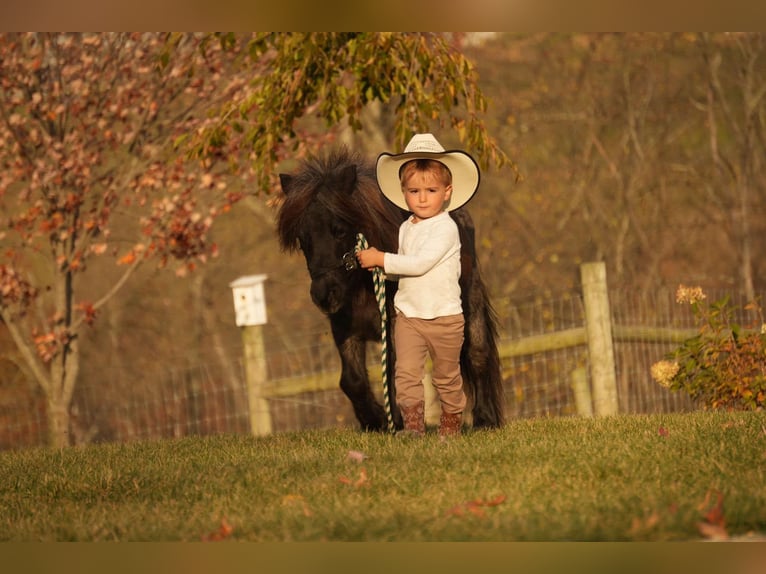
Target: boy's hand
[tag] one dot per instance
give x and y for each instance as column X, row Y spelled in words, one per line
column 369, row 258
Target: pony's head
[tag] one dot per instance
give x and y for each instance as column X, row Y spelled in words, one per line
column 327, row 201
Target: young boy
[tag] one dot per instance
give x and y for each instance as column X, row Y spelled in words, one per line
column 427, row 181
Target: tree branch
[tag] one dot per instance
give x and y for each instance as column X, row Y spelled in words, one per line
column 27, row 353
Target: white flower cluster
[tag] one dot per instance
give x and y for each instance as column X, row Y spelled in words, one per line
column 689, row 295
column 664, row 371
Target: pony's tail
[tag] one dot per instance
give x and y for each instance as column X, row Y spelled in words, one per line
column 479, row 359
column 480, row 363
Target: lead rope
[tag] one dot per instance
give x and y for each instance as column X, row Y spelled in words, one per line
column 379, row 281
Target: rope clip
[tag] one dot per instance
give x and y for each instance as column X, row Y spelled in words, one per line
column 349, row 261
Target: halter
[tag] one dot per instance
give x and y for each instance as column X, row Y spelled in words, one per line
column 347, row 262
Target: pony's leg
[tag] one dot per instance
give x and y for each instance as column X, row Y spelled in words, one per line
column 355, row 383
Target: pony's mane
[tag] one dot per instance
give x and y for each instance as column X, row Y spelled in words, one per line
column 365, row 208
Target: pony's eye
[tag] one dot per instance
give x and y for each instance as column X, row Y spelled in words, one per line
column 338, row 231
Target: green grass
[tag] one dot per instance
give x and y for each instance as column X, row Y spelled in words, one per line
column 563, row 479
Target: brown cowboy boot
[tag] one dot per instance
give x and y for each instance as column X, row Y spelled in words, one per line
column 450, row 424
column 414, row 419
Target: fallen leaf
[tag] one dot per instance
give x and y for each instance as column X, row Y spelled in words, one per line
column 715, row 514
column 476, row 506
column 455, row 510
column 714, row 524
column 652, row 520
column 495, row 501
column 223, row 532
column 476, row 510
column 361, row 481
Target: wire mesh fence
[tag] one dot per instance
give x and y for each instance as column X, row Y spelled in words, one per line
column 212, row 398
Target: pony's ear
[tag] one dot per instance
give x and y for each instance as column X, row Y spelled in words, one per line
column 286, row 180
column 347, row 179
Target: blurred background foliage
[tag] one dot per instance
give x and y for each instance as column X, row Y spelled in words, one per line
column 643, row 150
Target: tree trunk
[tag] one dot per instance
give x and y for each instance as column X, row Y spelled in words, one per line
column 58, row 423
column 59, row 391
column 746, row 269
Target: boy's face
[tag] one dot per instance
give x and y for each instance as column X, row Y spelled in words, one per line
column 425, row 194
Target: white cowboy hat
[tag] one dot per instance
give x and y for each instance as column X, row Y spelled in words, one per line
column 464, row 169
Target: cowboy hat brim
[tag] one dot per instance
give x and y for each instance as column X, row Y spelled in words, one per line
column 464, row 169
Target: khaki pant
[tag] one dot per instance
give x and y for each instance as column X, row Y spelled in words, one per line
column 414, row 340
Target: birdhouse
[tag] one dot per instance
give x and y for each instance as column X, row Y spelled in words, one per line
column 249, row 300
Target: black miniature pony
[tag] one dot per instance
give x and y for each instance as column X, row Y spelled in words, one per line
column 327, row 201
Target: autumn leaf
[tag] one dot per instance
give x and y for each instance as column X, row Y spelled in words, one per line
column 48, row 345
column 13, row 288
column 222, row 532
column 713, row 525
column 476, row 506
column 127, row 259
column 475, row 509
column 361, row 481
column 105, row 150
column 89, row 311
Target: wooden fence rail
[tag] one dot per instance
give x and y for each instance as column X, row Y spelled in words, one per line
column 594, row 388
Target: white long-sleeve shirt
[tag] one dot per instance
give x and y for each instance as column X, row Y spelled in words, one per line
column 428, row 268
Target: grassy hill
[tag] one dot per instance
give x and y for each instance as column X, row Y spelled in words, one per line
column 626, row 478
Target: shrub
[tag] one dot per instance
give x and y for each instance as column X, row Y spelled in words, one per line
column 724, row 365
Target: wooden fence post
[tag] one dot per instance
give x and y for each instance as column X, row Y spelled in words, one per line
column 250, row 309
column 581, row 390
column 599, row 331
column 255, row 375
